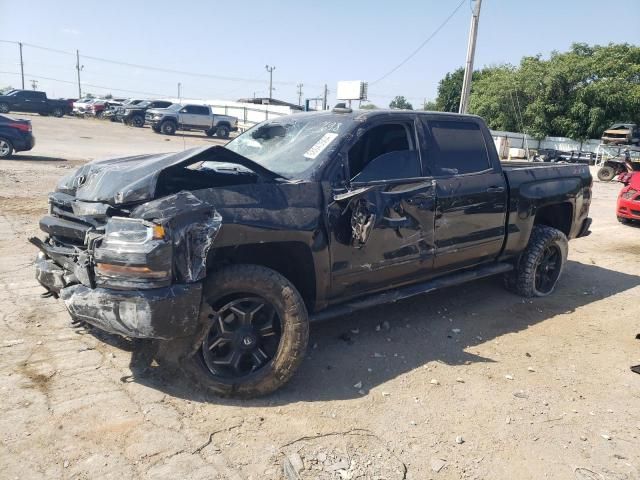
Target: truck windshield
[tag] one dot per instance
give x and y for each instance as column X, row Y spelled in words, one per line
column 293, row 144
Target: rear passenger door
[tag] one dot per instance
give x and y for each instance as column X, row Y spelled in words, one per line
column 196, row 116
column 471, row 192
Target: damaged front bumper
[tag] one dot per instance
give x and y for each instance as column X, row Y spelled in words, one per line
column 160, row 313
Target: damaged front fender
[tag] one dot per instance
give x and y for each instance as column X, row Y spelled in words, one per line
column 192, row 226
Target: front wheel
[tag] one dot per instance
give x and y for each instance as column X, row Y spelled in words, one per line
column 541, row 263
column 606, row 174
column 6, row 149
column 57, row 112
column 137, row 121
column 257, row 329
column 4, row 107
column 168, row 128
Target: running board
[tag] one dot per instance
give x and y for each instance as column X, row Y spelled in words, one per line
column 411, row 290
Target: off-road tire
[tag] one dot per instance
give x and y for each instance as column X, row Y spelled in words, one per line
column 168, row 127
column 606, row 174
column 6, row 148
column 57, row 112
column 137, row 121
column 222, row 132
column 4, row 107
column 268, row 284
column 522, row 280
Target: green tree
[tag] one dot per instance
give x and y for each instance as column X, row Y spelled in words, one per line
column 401, row 103
column 368, row 106
column 430, row 105
column 575, row 94
column 6, row 89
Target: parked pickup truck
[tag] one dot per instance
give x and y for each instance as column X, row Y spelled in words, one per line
column 227, row 253
column 33, row 102
column 190, row 117
column 134, row 114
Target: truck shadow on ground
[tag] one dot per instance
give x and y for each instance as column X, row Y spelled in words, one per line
column 20, row 157
column 397, row 338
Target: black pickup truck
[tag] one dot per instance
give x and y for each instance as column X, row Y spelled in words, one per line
column 33, row 102
column 226, row 253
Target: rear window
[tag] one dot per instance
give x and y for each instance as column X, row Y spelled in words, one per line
column 456, row 148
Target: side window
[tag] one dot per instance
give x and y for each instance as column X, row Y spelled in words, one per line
column 198, row 110
column 456, row 148
column 384, row 152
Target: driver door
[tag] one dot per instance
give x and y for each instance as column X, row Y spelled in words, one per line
column 382, row 225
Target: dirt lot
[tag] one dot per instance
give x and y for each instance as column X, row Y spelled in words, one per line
column 535, row 389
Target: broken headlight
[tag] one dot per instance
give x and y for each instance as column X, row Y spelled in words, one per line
column 133, row 253
column 131, row 231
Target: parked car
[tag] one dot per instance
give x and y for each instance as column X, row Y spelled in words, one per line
column 190, row 117
column 81, row 106
column 32, row 102
column 16, row 135
column 622, row 134
column 230, row 251
column 116, row 111
column 99, row 107
column 628, row 206
column 134, row 115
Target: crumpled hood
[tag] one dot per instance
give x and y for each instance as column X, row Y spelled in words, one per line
column 124, row 180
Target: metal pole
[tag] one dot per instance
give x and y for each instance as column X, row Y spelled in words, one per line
column 78, row 69
column 300, row 85
column 179, row 93
column 21, row 65
column 471, row 51
column 270, row 70
column 324, row 97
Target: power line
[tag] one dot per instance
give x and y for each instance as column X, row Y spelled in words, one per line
column 415, row 52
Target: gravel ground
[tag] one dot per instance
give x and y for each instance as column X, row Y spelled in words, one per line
column 469, row 382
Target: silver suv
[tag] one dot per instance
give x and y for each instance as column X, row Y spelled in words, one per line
column 190, row 117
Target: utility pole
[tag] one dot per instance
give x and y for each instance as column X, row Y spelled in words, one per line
column 300, row 85
column 21, row 65
column 325, row 93
column 270, row 70
column 34, row 84
column 179, row 93
column 78, row 68
column 471, row 51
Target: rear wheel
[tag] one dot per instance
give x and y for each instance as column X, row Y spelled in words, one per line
column 6, row 148
column 257, row 329
column 222, row 131
column 4, row 107
column 541, row 264
column 606, row 174
column 57, row 112
column 168, row 128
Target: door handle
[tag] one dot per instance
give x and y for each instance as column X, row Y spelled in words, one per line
column 495, row 189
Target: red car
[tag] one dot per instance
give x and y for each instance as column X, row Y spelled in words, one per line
column 629, row 198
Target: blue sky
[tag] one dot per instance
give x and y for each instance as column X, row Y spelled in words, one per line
column 309, row 42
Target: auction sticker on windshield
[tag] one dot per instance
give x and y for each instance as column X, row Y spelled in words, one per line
column 320, row 145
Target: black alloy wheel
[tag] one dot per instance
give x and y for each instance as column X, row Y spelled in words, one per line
column 243, row 337
column 137, row 121
column 548, row 270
